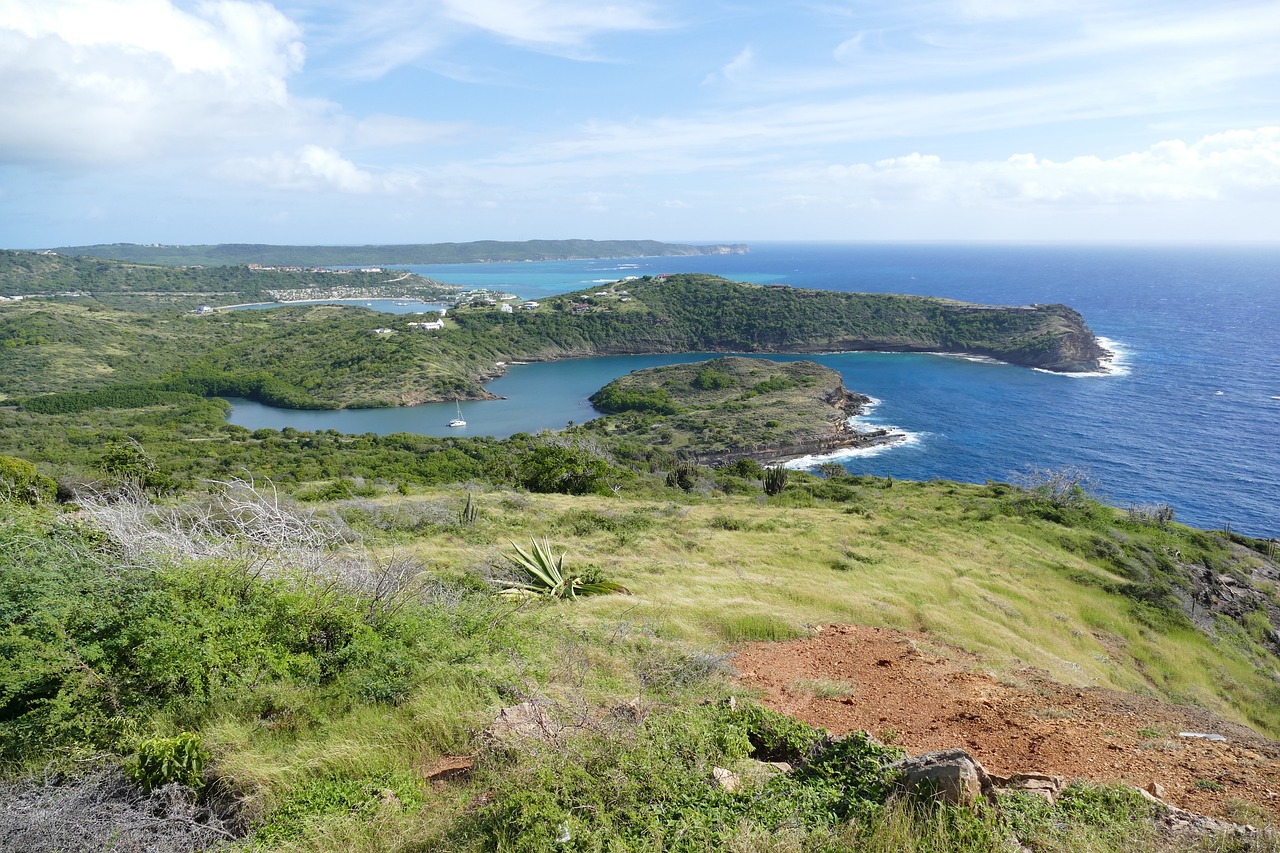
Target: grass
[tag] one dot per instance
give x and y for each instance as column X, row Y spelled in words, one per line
column 311, row 760
column 824, row 688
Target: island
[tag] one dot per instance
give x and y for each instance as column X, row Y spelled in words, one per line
column 720, row 411
column 476, row 252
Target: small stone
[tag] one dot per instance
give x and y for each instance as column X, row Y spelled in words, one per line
column 725, row 780
column 1156, row 790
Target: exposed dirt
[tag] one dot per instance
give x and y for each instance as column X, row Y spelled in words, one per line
column 922, row 701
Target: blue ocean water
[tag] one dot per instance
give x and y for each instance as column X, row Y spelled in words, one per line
column 1191, row 415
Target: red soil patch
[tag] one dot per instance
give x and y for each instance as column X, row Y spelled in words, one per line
column 924, row 702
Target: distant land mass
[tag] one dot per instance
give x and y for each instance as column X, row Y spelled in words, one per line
column 481, row 251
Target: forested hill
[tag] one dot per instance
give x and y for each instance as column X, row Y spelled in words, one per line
column 703, row 312
column 419, row 253
column 324, row 356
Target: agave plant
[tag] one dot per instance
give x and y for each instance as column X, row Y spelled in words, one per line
column 545, row 575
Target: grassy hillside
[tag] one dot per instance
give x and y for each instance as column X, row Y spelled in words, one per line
column 329, row 662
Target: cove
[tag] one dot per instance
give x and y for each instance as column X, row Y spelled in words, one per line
column 545, row 395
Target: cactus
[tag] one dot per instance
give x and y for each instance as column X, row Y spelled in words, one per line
column 684, row 476
column 775, row 480
column 470, row 512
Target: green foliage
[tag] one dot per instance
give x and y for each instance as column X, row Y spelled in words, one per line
column 775, row 480
column 615, row 399
column 710, row 379
column 745, row 467
column 564, row 469
column 161, row 760
column 649, row 787
column 187, row 642
column 1109, row 817
column 684, row 476
column 545, row 574
column 20, row 482
column 128, row 463
column 331, row 796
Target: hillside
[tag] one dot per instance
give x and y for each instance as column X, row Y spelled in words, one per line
column 339, row 665
column 326, row 356
column 481, row 251
column 150, row 286
column 695, row 312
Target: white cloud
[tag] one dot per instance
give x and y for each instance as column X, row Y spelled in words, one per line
column 734, row 69
column 99, row 81
column 388, row 131
column 315, row 169
column 376, row 41
column 1235, row 165
column 560, row 24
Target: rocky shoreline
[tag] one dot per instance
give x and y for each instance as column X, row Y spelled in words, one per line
column 843, row 436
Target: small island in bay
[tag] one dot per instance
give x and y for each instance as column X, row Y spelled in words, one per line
column 717, row 412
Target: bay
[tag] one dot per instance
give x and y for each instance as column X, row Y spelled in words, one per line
column 1190, row 417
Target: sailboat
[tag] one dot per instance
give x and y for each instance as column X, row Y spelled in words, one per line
column 457, row 420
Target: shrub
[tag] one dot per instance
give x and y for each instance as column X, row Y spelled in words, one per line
column 162, row 760
column 20, row 482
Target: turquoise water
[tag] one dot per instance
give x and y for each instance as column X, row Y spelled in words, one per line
column 1190, row 417
column 385, row 306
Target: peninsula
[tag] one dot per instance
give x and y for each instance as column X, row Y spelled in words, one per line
column 717, row 412
column 341, row 356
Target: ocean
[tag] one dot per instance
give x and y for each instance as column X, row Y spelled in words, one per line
column 1188, row 415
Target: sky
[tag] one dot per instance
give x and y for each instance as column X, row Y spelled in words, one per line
column 413, row 121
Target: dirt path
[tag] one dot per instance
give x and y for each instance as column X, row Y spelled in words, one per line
column 846, row 678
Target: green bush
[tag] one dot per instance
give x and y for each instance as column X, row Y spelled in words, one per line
column 161, row 760
column 20, row 482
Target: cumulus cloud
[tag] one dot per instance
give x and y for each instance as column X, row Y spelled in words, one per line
column 101, row 81
column 315, row 169
column 1237, row 164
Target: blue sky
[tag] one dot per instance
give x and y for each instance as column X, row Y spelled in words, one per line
column 332, row 122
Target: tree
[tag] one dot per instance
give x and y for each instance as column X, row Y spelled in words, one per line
column 567, row 470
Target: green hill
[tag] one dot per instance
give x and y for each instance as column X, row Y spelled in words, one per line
column 480, row 251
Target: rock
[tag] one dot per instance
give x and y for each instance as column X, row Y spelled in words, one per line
column 1156, row 790
column 725, row 780
column 523, row 722
column 948, row 776
column 1040, row 784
